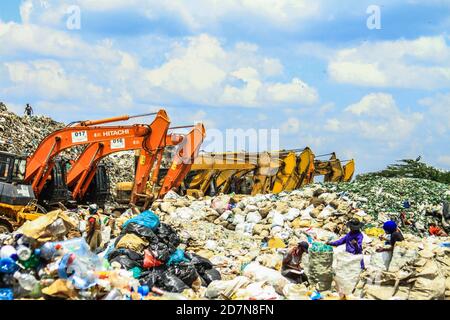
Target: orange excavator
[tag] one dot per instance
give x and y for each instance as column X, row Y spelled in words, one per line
column 41, row 163
column 41, row 177
column 188, row 148
column 151, row 148
column 83, row 170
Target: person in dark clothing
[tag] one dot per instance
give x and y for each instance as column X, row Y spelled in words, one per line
column 28, row 110
column 395, row 235
column 353, row 240
column 291, row 267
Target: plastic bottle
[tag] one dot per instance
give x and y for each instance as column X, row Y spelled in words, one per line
column 143, row 291
column 24, row 253
column 26, row 281
column 48, row 251
column 7, row 252
column 8, row 265
column 6, row 294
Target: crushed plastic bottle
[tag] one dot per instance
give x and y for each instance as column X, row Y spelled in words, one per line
column 26, row 281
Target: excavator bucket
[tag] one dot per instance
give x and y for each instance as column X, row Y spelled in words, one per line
column 349, row 170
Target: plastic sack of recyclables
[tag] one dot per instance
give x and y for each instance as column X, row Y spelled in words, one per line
column 78, row 264
column 77, row 246
column 147, row 219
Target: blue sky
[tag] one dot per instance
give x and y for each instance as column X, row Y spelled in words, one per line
column 312, row 70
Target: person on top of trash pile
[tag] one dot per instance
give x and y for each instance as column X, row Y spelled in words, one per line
column 28, row 110
column 394, row 234
column 434, row 230
column 290, row 267
column 353, row 240
column 94, row 235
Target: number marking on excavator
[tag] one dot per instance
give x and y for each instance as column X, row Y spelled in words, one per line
column 79, row 136
column 118, row 143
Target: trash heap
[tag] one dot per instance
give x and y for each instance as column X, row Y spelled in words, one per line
column 386, row 198
column 245, row 237
column 150, row 250
column 48, row 259
column 281, row 216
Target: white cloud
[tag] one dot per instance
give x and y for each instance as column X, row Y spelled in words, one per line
column 376, row 117
column 291, row 126
column 48, row 79
column 445, row 160
column 202, row 71
column 195, row 14
column 374, row 104
column 423, row 63
column 438, row 108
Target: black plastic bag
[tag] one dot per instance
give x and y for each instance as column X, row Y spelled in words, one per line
column 161, row 251
column 211, row 275
column 150, row 277
column 168, row 235
column 141, row 231
column 133, row 255
column 126, row 257
column 126, row 262
column 185, row 272
column 201, row 264
column 171, row 283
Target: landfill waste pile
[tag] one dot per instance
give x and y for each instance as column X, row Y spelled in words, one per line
column 49, row 259
column 419, row 200
column 409, row 168
column 224, row 247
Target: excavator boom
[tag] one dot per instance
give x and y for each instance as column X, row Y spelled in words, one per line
column 184, row 158
column 83, row 170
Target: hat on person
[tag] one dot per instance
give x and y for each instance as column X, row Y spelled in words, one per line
column 304, row 245
column 355, row 224
column 389, row 226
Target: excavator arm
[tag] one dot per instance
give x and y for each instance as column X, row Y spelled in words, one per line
column 40, row 163
column 83, row 170
column 184, row 158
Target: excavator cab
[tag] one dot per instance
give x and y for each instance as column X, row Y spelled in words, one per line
column 55, row 190
column 98, row 190
column 13, row 190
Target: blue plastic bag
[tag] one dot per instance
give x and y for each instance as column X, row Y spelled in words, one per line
column 6, row 294
column 147, row 219
column 177, row 257
column 8, row 265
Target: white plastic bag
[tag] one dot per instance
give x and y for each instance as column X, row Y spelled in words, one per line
column 258, row 272
column 347, row 268
column 277, row 218
column 292, row 214
column 253, row 217
column 305, row 214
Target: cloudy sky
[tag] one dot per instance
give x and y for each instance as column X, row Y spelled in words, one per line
column 312, row 69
